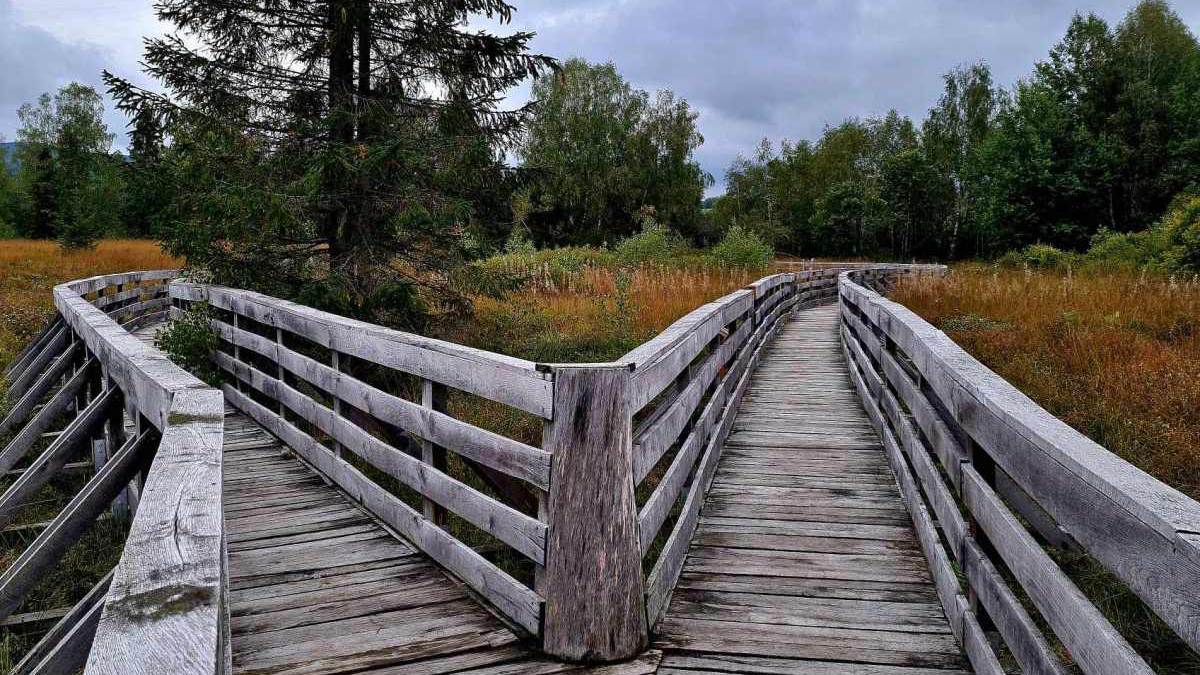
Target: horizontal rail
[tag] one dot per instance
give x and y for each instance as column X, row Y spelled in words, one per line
column 514, row 382
column 1008, row 463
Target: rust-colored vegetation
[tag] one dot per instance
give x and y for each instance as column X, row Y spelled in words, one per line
column 29, row 269
column 1116, row 356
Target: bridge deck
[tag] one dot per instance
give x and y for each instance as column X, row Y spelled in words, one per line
column 805, row 560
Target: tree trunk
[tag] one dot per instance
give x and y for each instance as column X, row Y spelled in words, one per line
column 341, row 131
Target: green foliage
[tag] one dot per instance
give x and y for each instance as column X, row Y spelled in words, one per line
column 1040, row 256
column 190, row 341
column 600, row 150
column 71, row 185
column 655, row 243
column 1178, row 235
column 347, row 144
column 742, row 248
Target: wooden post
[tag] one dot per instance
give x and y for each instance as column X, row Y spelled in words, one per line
column 592, row 581
column 279, row 372
column 335, row 361
column 433, row 396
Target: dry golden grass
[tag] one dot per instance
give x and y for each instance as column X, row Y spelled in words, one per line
column 1115, row 356
column 30, row 269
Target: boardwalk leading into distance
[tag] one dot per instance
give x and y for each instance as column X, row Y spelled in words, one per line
column 805, row 560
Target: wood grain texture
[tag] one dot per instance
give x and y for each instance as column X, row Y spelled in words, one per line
column 787, row 571
column 592, row 521
column 1139, row 528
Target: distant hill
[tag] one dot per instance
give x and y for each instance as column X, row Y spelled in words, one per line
column 8, row 153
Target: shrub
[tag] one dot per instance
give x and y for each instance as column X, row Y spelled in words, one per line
column 1121, row 251
column 656, row 243
column 1039, row 256
column 741, row 248
column 190, row 342
column 1179, row 235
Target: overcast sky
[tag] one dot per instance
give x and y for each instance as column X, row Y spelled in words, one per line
column 752, row 68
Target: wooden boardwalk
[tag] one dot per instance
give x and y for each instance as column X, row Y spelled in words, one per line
column 760, row 489
column 318, row 586
column 805, row 560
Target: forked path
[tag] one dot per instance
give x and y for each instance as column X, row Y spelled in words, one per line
column 805, row 560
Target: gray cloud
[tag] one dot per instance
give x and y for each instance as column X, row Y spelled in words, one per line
column 752, row 68
column 32, row 61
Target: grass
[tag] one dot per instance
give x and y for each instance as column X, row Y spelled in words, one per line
column 1117, row 357
column 29, row 269
column 28, row 272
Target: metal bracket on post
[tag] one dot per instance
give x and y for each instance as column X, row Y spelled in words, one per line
column 592, row 581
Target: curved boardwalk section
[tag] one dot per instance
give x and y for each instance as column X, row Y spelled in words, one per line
column 805, row 559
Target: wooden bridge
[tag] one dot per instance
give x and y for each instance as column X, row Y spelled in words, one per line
column 800, row 477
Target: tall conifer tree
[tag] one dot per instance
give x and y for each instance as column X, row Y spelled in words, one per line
column 310, row 134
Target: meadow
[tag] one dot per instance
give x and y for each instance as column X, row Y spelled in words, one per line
column 1114, row 354
column 29, row 269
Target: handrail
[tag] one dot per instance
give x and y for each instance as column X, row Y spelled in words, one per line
column 163, row 609
column 1003, row 456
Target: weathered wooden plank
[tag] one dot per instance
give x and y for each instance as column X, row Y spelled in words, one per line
column 658, row 362
column 1095, row 645
column 514, row 528
column 26, row 405
column 24, row 439
column 1136, row 526
column 492, row 450
column 163, row 612
column 667, row 568
column 55, row 346
column 63, row 649
column 512, row 599
column 30, row 567
column 21, row 361
column 590, row 439
column 48, row 464
column 508, row 380
column 654, row 441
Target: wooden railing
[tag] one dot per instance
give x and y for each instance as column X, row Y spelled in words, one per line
column 365, row 406
column 160, row 609
column 993, row 481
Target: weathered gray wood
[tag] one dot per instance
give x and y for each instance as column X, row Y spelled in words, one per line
column 55, row 346
column 665, row 573
column 22, row 359
column 658, row 362
column 48, row 464
column 26, row 406
column 656, row 439
column 593, row 520
column 510, row 598
column 1136, row 526
column 433, row 397
column 492, row 450
column 1095, row 645
column 58, row 404
column 525, row 534
column 658, row 506
column 29, row 568
column 163, row 611
column 511, row 381
column 63, row 649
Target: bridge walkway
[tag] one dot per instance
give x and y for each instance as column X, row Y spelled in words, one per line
column 317, row 585
column 805, row 560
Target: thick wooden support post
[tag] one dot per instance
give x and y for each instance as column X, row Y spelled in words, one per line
column 592, row 580
column 433, row 397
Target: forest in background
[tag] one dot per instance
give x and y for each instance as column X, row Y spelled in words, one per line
column 369, row 194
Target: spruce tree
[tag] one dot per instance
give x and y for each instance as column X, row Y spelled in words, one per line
column 147, row 194
column 311, row 138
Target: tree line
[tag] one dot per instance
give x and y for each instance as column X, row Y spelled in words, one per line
column 1100, row 137
column 352, row 154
